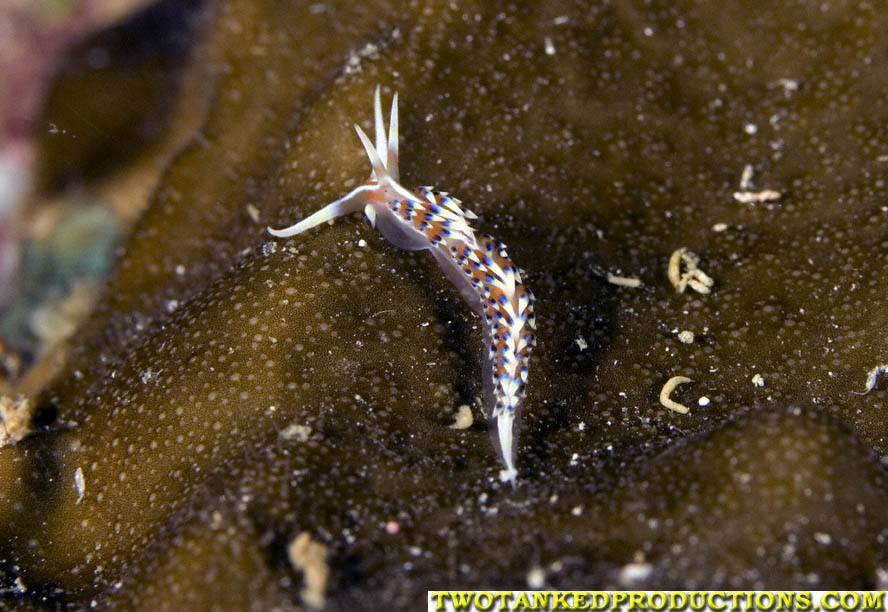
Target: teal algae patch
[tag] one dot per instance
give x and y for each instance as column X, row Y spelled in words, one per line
column 231, row 392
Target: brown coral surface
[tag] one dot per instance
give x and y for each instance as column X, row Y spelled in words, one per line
column 231, row 392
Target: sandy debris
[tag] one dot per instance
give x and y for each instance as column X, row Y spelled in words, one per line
column 692, row 277
column 747, row 195
column 757, row 197
column 15, row 414
column 635, row 572
column 632, row 574
column 79, row 484
column 758, row 380
column 746, row 177
column 310, row 557
column 296, row 431
column 788, row 85
column 623, row 281
column 464, row 418
column 686, row 337
column 667, row 390
column 536, row 578
column 549, row 45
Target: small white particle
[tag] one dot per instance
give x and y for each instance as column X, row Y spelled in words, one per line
column 750, row 128
column 295, row 431
column 180, row 270
column 506, row 476
column 577, row 510
column 550, row 48
column 623, row 281
column 757, row 197
column 881, row 579
column 19, row 586
column 686, row 337
column 581, row 342
column 536, row 578
column 758, row 381
column 253, row 212
column 79, row 484
column 463, row 418
column 788, row 85
column 648, row 31
column 746, row 177
column 362, row 243
column 823, row 538
column 581, row 426
column 633, row 573
column 719, row 227
column 703, row 401
column 172, row 305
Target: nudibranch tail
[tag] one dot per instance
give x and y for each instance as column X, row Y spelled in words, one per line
column 504, row 423
column 426, row 218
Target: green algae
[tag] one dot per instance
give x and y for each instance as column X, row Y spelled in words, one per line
column 586, row 138
column 78, row 250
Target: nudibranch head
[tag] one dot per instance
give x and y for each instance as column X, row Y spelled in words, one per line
column 426, row 218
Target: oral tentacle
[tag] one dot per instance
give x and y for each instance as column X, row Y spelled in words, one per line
column 352, row 202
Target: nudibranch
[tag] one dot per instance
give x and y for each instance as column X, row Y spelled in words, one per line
column 426, row 218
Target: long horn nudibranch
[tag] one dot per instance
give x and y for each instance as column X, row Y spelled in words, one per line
column 425, row 218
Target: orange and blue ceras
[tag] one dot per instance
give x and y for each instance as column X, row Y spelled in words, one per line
column 426, row 218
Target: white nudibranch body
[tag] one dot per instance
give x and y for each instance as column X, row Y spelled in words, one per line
column 426, row 218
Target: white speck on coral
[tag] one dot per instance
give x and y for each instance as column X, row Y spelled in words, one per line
column 536, row 578
column 79, row 484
